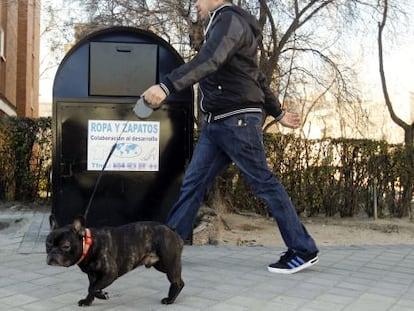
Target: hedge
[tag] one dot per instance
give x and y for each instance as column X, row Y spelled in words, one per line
column 329, row 176
column 25, row 158
column 326, row 176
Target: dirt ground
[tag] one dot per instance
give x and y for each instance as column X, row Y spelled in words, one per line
column 255, row 230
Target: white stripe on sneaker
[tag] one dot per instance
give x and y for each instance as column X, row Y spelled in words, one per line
column 296, row 268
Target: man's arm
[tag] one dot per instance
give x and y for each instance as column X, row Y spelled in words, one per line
column 271, row 104
column 272, row 107
column 222, row 43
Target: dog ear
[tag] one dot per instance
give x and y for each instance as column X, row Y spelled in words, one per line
column 79, row 225
column 53, row 222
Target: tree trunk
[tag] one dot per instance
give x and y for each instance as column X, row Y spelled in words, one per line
column 407, row 180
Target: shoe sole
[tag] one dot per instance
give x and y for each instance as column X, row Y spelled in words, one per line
column 308, row 264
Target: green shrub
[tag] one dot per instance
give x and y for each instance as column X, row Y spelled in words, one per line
column 25, row 158
column 327, row 176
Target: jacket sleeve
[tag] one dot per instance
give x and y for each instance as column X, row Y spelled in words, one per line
column 271, row 104
column 221, row 44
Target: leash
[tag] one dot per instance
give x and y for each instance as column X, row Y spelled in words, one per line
column 101, row 172
column 142, row 110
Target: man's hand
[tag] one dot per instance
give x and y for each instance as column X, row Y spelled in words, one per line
column 154, row 96
column 290, row 120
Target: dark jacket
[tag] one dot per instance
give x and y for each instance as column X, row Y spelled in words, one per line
column 226, row 68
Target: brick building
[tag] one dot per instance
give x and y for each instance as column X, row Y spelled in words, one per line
column 19, row 57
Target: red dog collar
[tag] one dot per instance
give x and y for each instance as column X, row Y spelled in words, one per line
column 86, row 245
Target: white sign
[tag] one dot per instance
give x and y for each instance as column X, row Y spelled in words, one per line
column 137, row 148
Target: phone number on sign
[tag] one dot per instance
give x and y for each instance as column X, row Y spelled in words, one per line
column 134, row 165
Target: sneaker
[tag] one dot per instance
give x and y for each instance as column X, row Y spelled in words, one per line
column 292, row 262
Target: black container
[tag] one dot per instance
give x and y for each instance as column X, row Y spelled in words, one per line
column 94, row 91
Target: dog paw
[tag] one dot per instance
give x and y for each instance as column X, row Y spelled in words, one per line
column 84, row 302
column 173, row 293
column 101, row 295
column 167, row 301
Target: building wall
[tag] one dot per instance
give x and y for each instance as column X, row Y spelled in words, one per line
column 19, row 69
column 10, row 51
column 412, row 106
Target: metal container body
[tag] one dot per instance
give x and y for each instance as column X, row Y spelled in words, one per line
column 95, row 90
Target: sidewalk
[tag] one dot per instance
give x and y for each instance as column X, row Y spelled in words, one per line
column 218, row 278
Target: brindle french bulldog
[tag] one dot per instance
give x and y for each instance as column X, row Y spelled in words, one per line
column 107, row 253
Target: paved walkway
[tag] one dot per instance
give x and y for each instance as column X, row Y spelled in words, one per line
column 218, row 278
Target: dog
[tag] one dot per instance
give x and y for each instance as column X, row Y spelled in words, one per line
column 107, row 253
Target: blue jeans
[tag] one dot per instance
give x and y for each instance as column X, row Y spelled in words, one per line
column 237, row 139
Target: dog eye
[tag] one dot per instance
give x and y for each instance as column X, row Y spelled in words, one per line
column 65, row 247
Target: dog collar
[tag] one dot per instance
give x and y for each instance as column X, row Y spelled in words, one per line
column 86, row 245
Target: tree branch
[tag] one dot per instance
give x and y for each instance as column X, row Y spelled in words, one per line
column 381, row 26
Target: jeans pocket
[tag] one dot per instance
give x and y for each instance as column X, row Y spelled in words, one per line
column 249, row 130
column 254, row 119
column 243, row 120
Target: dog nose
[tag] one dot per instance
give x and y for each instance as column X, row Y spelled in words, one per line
column 51, row 261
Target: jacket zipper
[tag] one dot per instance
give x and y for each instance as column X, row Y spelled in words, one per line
column 212, row 14
column 201, row 99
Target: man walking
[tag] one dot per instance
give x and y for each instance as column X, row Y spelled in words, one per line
column 233, row 93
